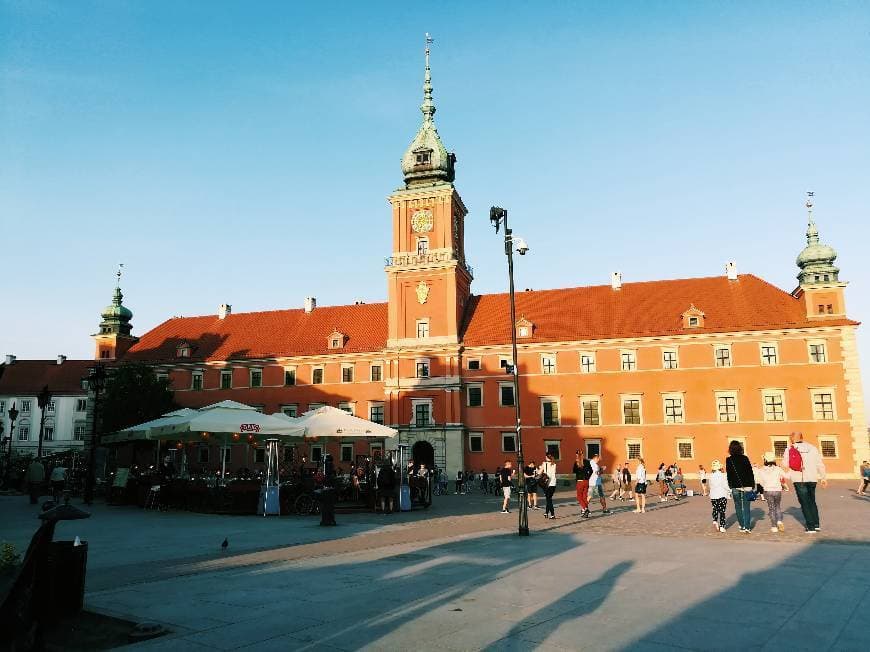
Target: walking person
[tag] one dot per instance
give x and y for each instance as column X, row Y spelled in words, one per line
column 530, row 477
column 640, row 487
column 548, row 468
column 616, row 478
column 597, row 482
column 669, row 482
column 626, row 481
column 718, row 495
column 34, row 477
column 387, row 487
column 864, row 478
column 505, row 475
column 582, row 472
column 805, row 469
column 57, row 479
column 773, row 480
column 663, row 487
column 742, row 481
column 702, row 476
column 460, row 477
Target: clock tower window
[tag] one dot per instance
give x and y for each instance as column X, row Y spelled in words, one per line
column 422, row 246
column 423, row 157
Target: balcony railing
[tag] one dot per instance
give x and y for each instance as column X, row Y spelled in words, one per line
column 423, row 259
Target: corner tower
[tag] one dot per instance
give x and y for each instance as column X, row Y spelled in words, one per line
column 428, row 279
column 114, row 338
column 819, row 278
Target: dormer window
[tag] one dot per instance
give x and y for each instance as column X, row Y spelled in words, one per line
column 423, row 157
column 182, row 350
column 525, row 328
column 693, row 318
column 337, row 340
column 694, row 322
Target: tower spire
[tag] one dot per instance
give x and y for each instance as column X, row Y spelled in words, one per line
column 428, row 106
column 816, row 261
column 812, row 230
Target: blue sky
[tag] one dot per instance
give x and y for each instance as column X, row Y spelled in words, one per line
column 242, row 152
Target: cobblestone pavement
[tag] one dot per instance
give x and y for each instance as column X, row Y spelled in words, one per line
column 457, row 576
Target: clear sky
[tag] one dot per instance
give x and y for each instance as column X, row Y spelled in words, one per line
column 242, row 152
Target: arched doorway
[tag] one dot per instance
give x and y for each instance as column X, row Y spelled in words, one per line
column 423, row 453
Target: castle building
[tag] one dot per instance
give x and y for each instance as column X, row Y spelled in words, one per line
column 667, row 370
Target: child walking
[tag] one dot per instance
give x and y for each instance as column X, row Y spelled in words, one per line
column 718, row 486
column 773, row 481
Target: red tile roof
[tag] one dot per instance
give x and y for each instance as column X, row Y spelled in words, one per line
column 266, row 334
column 28, row 377
column 645, row 309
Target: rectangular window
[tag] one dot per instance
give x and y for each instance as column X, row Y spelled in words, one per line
column 376, row 412
column 316, row 453
column 290, row 410
column 226, row 380
column 817, row 352
column 422, row 368
column 161, row 377
column 346, row 406
column 633, row 449
column 631, row 411
column 549, row 412
column 317, row 376
column 828, row 447
column 50, row 406
column 314, row 406
column 25, row 407
column 779, row 447
column 422, row 414
column 726, row 407
column 47, row 433
column 506, row 394
column 79, row 431
column 768, row 353
column 196, row 380
column 81, row 405
column 475, row 442
column 377, row 451
column 593, row 448
column 685, row 449
column 504, row 363
column 474, row 395
column 2, row 408
column 474, row 364
column 587, row 363
column 548, row 364
column 509, row 442
column 23, row 433
column 669, row 359
column 674, row 409
column 376, row 374
column 346, row 373
column 202, row 455
column 347, row 452
column 723, row 356
column 823, row 406
column 591, row 408
column 629, row 360
column 290, row 376
column 256, row 377
column 422, row 328
column 774, row 406
column 553, row 447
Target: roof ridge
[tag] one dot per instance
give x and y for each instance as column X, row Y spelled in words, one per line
column 276, row 310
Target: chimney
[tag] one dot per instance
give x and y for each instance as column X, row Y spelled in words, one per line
column 223, row 310
column 616, row 280
column 61, row 359
column 10, row 359
column 310, row 304
column 731, row 270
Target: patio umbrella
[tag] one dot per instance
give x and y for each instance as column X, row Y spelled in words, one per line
column 328, row 421
column 144, row 431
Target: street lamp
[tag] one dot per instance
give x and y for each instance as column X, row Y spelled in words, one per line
column 42, row 400
column 499, row 216
column 13, row 415
column 96, row 382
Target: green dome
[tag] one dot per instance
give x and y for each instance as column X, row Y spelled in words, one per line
column 816, row 261
column 116, row 311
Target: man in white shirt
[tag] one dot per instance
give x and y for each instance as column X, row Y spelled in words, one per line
column 804, row 474
column 596, row 482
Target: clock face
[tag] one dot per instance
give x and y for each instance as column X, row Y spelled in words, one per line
column 421, row 220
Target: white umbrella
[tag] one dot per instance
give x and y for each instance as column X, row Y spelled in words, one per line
column 328, row 421
column 147, row 429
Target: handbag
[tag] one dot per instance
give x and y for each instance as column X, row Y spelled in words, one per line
column 640, row 488
column 543, row 481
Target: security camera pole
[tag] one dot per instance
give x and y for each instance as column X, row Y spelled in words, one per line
column 498, row 216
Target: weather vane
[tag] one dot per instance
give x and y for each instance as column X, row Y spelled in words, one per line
column 119, row 272
column 810, row 195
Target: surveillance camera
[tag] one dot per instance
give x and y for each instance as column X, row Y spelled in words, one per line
column 521, row 245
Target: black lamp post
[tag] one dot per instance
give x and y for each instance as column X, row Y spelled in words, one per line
column 13, row 415
column 499, row 216
column 96, row 382
column 42, row 400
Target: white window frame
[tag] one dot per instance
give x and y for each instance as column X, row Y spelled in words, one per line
column 631, row 361
column 347, row 406
column 721, row 394
column 322, row 374
column 823, row 344
column 836, row 442
column 251, row 373
column 290, row 407
column 588, row 398
column 633, row 441
column 312, row 457
column 775, row 347
column 716, row 360
column 193, row 376
column 676, row 359
column 47, row 432
column 551, row 358
column 50, row 406
column 203, row 455
column 376, row 447
column 341, row 450
column 314, row 406
column 474, row 435
column 422, row 401
column 468, row 389
column 631, row 397
column 814, row 391
column 551, row 399
column 226, row 373
column 742, row 441
column 553, row 442
column 592, row 442
column 503, row 362
column 291, row 369
column 161, row 375
column 513, row 392
column 779, row 439
column 773, row 392
column 685, row 440
column 380, row 367
column 345, row 366
column 422, row 240
column 26, row 407
column 422, row 324
column 428, row 364
column 468, row 362
column 524, row 331
column 81, row 405
column 673, row 396
column 380, row 404
column 592, row 366
column 84, row 430
column 512, row 434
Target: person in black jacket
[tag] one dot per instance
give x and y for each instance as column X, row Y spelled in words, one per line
column 582, row 472
column 741, row 479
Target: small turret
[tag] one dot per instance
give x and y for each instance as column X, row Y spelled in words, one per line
column 114, row 337
column 820, row 285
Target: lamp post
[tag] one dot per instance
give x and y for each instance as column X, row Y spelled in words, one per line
column 499, row 216
column 96, row 381
column 13, row 415
column 42, row 400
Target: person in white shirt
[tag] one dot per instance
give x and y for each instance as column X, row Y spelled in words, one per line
column 804, row 471
column 640, row 487
column 596, row 482
column 772, row 479
column 549, row 467
column 718, row 483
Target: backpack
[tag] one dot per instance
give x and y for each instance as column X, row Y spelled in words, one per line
column 795, row 460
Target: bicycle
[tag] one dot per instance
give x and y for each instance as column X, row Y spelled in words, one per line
column 306, row 504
